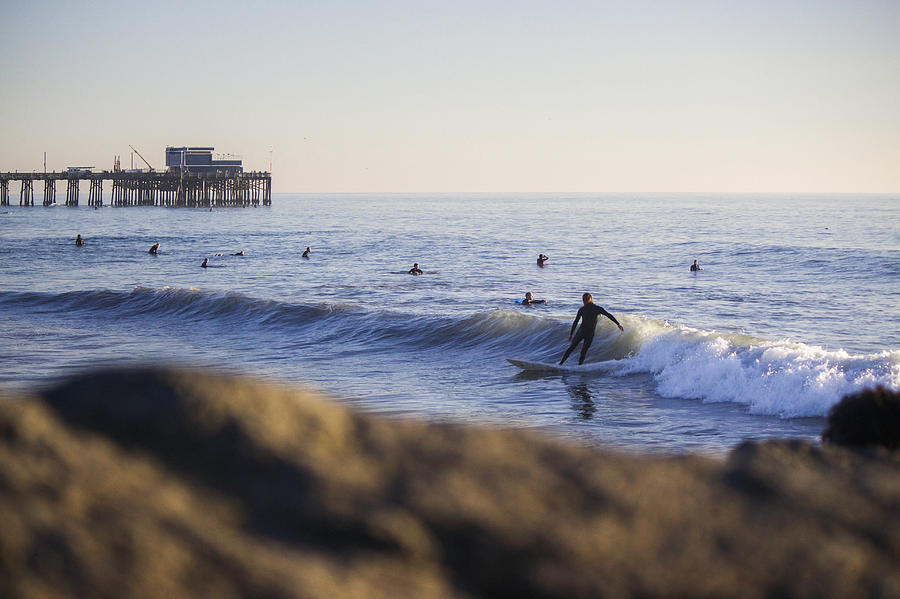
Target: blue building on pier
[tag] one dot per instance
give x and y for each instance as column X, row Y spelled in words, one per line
column 200, row 161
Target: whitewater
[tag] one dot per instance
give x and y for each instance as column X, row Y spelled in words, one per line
column 796, row 305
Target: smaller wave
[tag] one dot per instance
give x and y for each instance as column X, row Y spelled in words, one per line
column 778, row 378
column 144, row 302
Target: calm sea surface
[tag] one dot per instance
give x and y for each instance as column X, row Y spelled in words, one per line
column 797, row 305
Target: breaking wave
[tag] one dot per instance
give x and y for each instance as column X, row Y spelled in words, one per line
column 772, row 377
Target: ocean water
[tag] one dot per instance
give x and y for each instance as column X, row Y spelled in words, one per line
column 797, row 304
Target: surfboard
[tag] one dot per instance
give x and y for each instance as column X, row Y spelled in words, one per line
column 537, row 366
column 530, row 366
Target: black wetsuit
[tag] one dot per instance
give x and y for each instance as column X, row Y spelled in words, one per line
column 588, row 314
column 695, row 267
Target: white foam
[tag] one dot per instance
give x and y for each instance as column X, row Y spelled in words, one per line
column 781, row 378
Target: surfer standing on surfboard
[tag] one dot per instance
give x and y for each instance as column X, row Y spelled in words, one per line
column 588, row 314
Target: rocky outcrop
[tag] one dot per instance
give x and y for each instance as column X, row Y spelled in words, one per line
column 869, row 418
column 171, row 483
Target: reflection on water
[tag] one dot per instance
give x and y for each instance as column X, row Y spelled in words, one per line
column 583, row 401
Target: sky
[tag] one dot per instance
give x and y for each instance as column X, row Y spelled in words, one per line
column 466, row 96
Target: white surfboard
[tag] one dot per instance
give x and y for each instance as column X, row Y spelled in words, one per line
column 537, row 366
column 531, row 366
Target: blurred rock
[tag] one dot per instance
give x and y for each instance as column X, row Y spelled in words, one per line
column 869, row 418
column 171, row 483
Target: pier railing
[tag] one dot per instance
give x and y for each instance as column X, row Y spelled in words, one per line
column 150, row 188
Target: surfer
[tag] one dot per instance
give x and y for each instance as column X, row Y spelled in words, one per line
column 588, row 314
column 154, row 249
column 240, row 253
column 415, row 270
column 529, row 299
column 205, row 263
column 305, row 253
column 695, row 266
column 79, row 241
column 541, row 259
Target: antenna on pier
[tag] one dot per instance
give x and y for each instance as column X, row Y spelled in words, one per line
column 141, row 157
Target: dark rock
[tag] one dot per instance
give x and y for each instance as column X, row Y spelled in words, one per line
column 869, row 418
column 168, row 483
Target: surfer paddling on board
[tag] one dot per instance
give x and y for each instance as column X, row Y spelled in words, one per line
column 588, row 315
column 529, row 299
column 415, row 270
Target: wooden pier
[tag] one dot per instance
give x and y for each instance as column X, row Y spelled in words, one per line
column 147, row 188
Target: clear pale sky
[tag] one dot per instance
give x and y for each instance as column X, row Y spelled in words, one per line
column 783, row 96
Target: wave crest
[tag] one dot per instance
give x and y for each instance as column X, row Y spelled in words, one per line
column 780, row 378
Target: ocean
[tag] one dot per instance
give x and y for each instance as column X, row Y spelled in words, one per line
column 797, row 305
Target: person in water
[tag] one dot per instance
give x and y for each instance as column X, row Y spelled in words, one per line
column 415, row 270
column 240, row 253
column 79, row 241
column 541, row 259
column 588, row 315
column 205, row 263
column 529, row 299
column 154, row 249
column 305, row 253
column 695, row 266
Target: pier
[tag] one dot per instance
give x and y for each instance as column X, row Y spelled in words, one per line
column 193, row 178
column 196, row 190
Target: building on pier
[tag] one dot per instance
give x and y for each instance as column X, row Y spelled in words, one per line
column 200, row 160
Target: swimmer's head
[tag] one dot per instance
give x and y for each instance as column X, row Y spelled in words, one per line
column 587, row 298
column 528, row 295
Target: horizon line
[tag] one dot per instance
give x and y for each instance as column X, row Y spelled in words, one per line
column 598, row 192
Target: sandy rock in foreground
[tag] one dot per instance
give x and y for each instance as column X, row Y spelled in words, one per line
column 171, row 483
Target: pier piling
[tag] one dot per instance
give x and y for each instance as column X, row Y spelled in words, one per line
column 26, row 195
column 192, row 190
column 49, row 192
